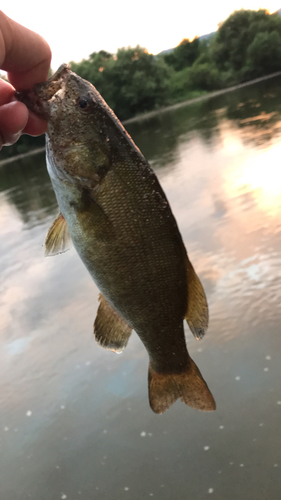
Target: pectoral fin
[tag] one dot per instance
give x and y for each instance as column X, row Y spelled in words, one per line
column 58, row 238
column 91, row 214
column 110, row 329
column 197, row 315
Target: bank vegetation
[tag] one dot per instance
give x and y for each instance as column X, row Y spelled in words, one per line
column 247, row 45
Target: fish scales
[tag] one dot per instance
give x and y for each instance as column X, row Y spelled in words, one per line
column 147, row 249
column 121, row 225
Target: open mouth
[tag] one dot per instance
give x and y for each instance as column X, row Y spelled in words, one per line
column 41, row 93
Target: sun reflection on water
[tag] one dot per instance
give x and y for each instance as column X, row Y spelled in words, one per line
column 259, row 175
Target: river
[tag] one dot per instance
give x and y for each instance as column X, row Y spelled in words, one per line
column 75, row 421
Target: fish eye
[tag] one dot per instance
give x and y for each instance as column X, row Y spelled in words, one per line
column 83, row 102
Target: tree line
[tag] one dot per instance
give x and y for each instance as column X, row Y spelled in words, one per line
column 246, row 45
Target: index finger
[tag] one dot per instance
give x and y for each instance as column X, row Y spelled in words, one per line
column 24, row 54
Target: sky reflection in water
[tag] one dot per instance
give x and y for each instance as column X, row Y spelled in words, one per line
column 75, row 420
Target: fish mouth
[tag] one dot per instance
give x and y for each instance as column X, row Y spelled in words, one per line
column 38, row 98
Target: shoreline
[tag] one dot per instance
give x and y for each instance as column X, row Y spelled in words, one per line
column 12, row 159
column 209, row 95
column 150, row 114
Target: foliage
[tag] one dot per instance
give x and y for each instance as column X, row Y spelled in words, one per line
column 181, row 87
column 264, row 53
column 139, row 82
column 92, row 69
column 241, row 37
column 246, row 45
column 131, row 82
column 204, row 76
column 184, row 54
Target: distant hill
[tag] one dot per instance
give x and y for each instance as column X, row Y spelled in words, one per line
column 203, row 37
column 164, row 52
column 208, row 36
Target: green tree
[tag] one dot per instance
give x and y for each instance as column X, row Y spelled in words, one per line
column 264, row 53
column 204, row 76
column 230, row 47
column 131, row 82
column 184, row 54
column 136, row 82
column 92, row 69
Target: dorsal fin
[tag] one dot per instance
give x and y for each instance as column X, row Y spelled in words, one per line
column 197, row 315
column 110, row 329
column 58, row 238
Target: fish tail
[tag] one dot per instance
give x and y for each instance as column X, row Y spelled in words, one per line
column 189, row 385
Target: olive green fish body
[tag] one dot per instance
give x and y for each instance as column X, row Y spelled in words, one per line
column 127, row 237
column 122, row 227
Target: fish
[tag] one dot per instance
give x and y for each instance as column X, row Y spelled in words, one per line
column 114, row 211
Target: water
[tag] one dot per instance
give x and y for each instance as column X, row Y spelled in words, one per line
column 74, row 419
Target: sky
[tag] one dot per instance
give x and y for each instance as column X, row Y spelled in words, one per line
column 76, row 29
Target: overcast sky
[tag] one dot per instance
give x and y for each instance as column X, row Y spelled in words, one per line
column 76, row 29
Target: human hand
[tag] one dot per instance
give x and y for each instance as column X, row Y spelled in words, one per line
column 26, row 57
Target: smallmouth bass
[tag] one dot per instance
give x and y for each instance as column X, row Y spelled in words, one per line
column 115, row 212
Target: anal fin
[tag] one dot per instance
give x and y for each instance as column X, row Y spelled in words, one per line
column 166, row 388
column 197, row 315
column 58, row 238
column 110, row 330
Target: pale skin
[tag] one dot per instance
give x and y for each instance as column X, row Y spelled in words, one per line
column 26, row 57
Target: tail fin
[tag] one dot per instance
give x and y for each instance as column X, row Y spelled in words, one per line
column 165, row 389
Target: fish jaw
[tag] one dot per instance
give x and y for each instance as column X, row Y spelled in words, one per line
column 38, row 98
column 77, row 143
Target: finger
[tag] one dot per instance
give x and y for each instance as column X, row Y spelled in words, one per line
column 24, row 54
column 35, row 125
column 6, row 92
column 13, row 119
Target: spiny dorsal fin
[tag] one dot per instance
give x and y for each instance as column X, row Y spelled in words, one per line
column 197, row 315
column 110, row 329
column 58, row 238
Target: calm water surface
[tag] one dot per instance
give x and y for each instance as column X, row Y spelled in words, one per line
column 75, row 422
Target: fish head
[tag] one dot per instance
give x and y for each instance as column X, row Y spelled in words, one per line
column 78, row 125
